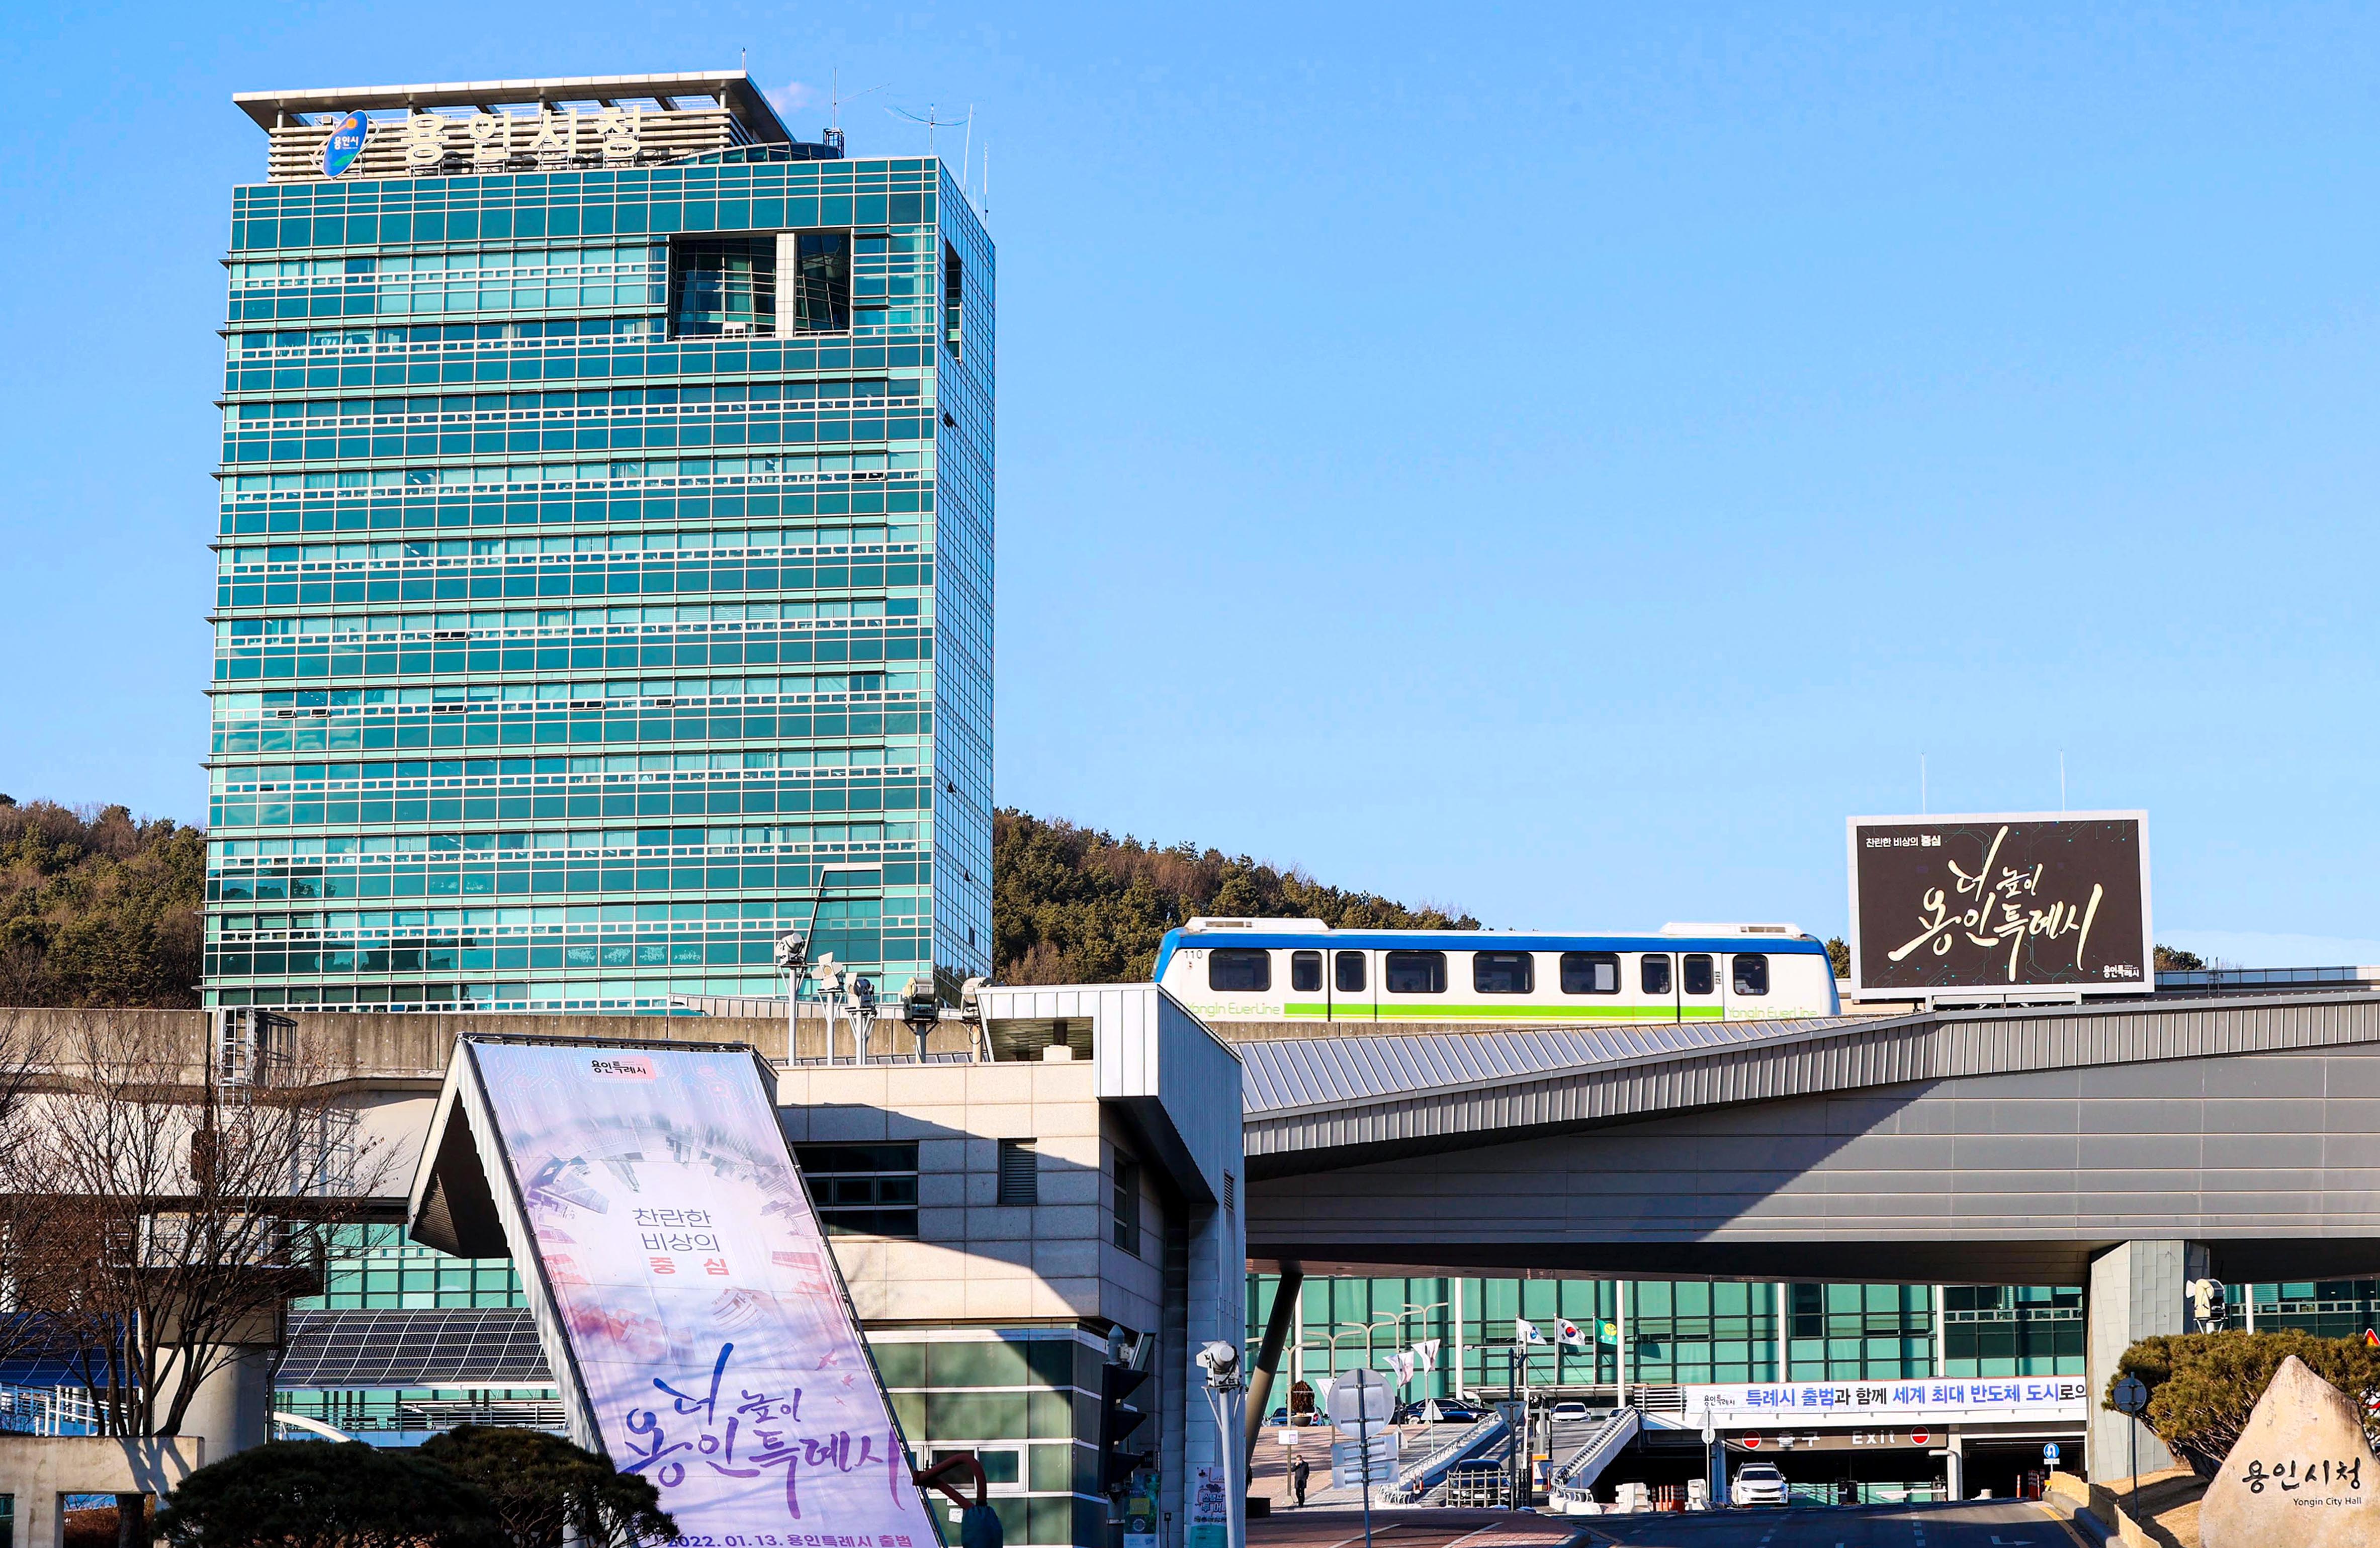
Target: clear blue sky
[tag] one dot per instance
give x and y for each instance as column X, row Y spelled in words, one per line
column 1555, row 460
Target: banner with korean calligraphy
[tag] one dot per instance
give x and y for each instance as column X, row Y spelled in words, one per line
column 707, row 1326
column 2005, row 901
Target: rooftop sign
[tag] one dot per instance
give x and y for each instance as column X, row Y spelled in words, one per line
column 494, row 125
column 347, row 142
column 1982, row 905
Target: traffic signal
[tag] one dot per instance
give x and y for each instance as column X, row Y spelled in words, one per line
column 1120, row 1458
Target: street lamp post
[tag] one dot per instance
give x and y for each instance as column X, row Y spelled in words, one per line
column 792, row 958
column 1224, row 1381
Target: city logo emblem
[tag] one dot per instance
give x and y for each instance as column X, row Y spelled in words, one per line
column 347, row 142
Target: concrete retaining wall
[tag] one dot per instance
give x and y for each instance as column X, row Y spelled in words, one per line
column 39, row 1471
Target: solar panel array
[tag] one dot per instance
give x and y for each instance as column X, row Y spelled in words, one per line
column 431, row 1347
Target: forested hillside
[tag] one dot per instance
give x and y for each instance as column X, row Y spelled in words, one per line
column 97, row 909
column 1076, row 905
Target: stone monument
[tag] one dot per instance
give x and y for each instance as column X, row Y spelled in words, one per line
column 2302, row 1476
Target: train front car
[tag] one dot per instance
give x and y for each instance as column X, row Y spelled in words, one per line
column 1300, row 970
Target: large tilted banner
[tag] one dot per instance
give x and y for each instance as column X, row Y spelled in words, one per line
column 711, row 1344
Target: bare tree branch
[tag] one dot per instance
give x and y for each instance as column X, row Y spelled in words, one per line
column 168, row 1203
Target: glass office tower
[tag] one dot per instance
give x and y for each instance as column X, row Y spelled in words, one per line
column 604, row 577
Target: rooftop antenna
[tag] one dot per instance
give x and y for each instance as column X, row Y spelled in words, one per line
column 966, row 156
column 834, row 106
column 930, row 122
column 987, row 181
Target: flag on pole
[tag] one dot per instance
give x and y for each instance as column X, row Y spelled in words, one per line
column 1571, row 1335
column 1525, row 1332
column 1611, row 1333
column 1426, row 1354
column 1403, row 1361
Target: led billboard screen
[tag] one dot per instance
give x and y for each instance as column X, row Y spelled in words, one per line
column 708, row 1334
column 2002, row 903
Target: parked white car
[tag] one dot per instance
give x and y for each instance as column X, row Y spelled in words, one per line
column 1758, row 1483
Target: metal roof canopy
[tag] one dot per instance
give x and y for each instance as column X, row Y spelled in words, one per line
column 734, row 89
column 1998, row 1147
column 1320, row 1104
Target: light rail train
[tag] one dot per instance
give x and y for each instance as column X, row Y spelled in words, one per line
column 1300, row 970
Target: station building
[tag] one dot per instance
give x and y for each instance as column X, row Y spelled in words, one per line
column 1661, row 1346
column 1053, row 1186
column 605, row 552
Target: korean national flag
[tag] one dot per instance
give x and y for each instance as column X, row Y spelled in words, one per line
column 1525, row 1332
column 1572, row 1336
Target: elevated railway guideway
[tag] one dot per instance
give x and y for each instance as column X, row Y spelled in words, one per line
column 2132, row 1147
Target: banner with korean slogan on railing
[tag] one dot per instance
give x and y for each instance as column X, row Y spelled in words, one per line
column 710, row 1339
column 1888, row 1402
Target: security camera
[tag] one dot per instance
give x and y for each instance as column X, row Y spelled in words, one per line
column 1219, row 1359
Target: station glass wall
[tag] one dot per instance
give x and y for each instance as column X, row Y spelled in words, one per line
column 2325, row 1308
column 1679, row 1331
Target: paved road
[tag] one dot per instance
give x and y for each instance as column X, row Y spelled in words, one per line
column 1996, row 1524
column 1311, row 1528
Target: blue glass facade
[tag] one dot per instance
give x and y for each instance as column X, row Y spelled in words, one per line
column 577, row 633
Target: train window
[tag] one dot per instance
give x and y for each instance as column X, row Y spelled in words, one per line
column 1751, row 973
column 1306, row 972
column 1415, row 972
column 1239, row 969
column 1654, row 972
column 1700, row 979
column 1590, row 972
column 1502, row 973
column 1349, row 969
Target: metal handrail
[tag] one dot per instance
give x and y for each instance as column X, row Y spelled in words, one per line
column 1413, row 1481
column 1622, row 1427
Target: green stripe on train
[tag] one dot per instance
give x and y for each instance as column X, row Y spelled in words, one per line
column 1317, row 1011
